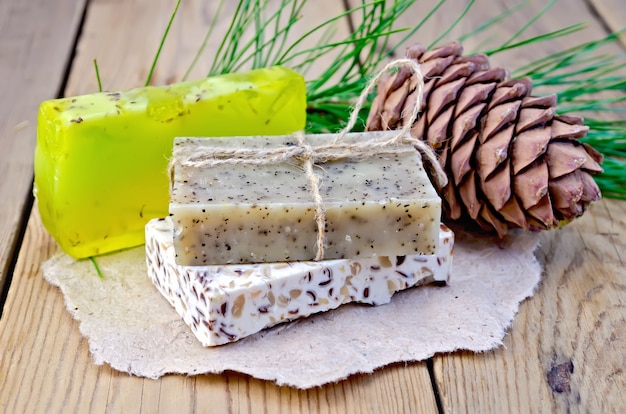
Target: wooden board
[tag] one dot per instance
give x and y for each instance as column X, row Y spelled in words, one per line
column 445, row 18
column 565, row 351
column 123, row 37
column 37, row 40
column 613, row 15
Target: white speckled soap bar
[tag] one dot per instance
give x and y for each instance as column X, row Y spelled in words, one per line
column 222, row 304
column 379, row 205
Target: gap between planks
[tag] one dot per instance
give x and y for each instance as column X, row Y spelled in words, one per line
column 37, row 43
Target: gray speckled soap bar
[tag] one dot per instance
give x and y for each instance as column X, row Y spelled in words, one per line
column 383, row 205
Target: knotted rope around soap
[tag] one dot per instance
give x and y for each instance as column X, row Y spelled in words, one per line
column 309, row 155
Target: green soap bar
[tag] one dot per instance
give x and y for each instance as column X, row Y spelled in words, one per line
column 101, row 159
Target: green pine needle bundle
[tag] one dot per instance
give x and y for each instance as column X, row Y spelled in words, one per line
column 583, row 78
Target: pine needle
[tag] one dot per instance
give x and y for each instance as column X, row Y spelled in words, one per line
column 491, row 22
column 95, row 66
column 205, row 41
column 158, row 53
column 540, row 38
column 256, row 38
column 97, row 267
column 528, row 24
column 449, row 29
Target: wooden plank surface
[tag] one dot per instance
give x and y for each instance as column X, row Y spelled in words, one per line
column 48, row 358
column 612, row 13
column 36, row 38
column 566, row 351
column 576, row 319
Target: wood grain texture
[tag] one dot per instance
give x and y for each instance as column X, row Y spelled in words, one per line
column 565, row 351
column 48, row 358
column 36, row 42
column 612, row 13
column 482, row 11
column 123, row 37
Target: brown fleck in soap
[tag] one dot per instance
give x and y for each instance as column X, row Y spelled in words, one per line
column 383, row 205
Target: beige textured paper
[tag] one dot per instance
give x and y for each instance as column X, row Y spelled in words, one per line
column 131, row 327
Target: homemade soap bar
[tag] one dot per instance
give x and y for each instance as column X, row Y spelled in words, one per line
column 222, row 304
column 379, row 205
column 101, row 159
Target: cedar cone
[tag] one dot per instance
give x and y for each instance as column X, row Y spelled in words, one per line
column 512, row 162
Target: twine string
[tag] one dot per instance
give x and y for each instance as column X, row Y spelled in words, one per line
column 406, row 128
column 308, row 159
column 395, row 142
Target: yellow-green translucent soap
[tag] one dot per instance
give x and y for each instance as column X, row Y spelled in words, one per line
column 101, row 159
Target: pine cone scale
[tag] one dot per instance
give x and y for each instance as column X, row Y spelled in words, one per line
column 531, row 118
column 493, row 222
column 394, row 104
column 467, row 192
column 443, row 97
column 532, row 185
column 566, row 130
column 591, row 192
column 548, row 101
column 594, row 160
column 497, row 189
column 472, row 95
column 567, row 193
column 464, row 123
column 488, row 76
column 543, row 213
column 499, row 117
column 510, row 91
column 564, row 159
column 494, row 152
column 529, row 146
column 512, row 212
column 438, row 130
column 460, row 164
